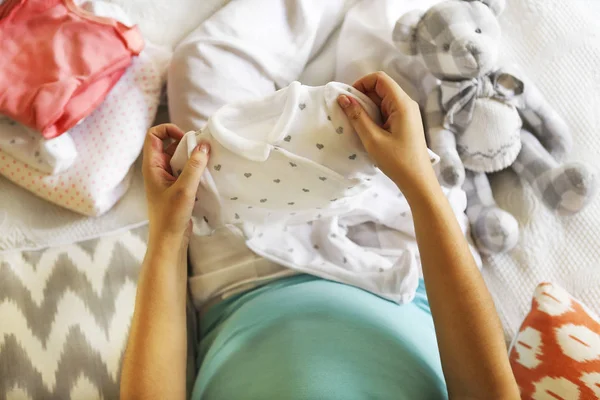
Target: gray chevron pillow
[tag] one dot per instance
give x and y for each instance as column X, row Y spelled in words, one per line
column 64, row 317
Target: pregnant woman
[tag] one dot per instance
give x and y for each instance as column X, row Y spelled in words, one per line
column 301, row 337
column 307, row 338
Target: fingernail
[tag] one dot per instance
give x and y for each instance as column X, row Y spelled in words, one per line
column 343, row 101
column 204, row 147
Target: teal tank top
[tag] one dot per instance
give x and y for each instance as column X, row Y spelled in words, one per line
column 305, row 338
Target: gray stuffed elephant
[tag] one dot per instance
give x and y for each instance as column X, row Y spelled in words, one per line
column 481, row 118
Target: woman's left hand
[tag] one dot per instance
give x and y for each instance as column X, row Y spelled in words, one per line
column 170, row 199
column 158, row 328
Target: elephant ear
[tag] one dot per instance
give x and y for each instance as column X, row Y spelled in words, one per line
column 497, row 6
column 404, row 35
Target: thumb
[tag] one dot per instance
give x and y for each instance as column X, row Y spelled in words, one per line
column 194, row 167
column 359, row 119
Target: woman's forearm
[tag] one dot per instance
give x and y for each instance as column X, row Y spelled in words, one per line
column 154, row 366
column 469, row 334
column 471, row 343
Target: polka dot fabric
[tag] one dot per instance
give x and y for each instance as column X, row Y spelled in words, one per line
column 108, row 142
column 283, row 156
column 556, row 354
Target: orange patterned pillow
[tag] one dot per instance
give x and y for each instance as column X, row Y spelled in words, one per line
column 556, row 354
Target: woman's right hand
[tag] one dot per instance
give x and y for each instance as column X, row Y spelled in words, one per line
column 469, row 333
column 398, row 146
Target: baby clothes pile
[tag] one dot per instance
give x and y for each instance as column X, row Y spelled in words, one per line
column 289, row 173
column 78, row 92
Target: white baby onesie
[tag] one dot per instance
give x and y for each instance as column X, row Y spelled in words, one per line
column 281, row 157
column 289, row 171
column 51, row 156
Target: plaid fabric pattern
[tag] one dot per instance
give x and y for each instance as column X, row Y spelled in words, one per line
column 458, row 97
column 443, row 142
column 565, row 188
column 494, row 230
column 457, row 40
column 544, row 121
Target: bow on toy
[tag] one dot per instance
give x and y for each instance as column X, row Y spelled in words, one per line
column 458, row 98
